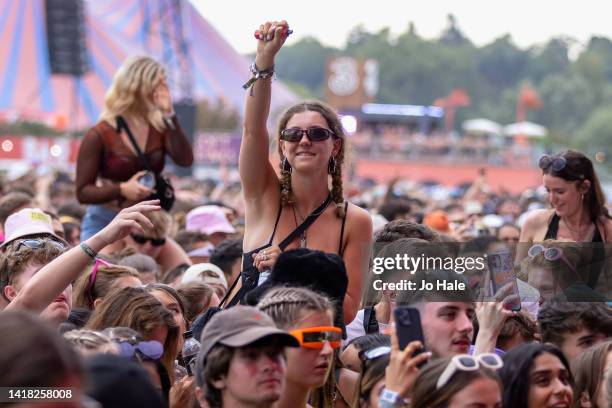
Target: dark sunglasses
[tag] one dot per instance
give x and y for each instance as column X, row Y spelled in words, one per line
column 556, row 163
column 314, row 134
column 141, row 239
column 37, row 243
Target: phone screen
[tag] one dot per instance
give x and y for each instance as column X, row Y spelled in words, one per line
column 501, row 266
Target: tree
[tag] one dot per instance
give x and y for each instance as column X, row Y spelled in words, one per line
column 501, row 63
column 596, row 133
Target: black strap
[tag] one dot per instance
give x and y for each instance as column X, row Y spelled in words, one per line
column 122, row 124
column 289, row 239
column 280, row 210
column 370, row 323
column 305, row 224
column 553, row 227
column 340, row 246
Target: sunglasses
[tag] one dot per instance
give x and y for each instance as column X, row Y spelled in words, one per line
column 465, row 362
column 314, row 134
column 316, row 337
column 556, row 163
column 92, row 280
column 551, row 254
column 38, row 243
column 141, row 240
column 144, row 350
column 373, row 354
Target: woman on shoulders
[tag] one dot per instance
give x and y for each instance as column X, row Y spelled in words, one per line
column 578, row 203
column 311, row 146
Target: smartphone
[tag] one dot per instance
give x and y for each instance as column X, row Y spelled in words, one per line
column 408, row 326
column 501, row 268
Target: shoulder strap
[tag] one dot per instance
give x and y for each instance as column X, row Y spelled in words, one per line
column 304, row 225
column 280, row 210
column 553, row 227
column 340, row 246
column 370, row 324
column 122, row 124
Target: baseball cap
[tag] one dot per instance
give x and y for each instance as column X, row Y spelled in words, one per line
column 26, row 222
column 208, row 219
column 194, row 274
column 240, row 326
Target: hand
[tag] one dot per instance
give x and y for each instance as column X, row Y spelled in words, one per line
column 273, row 36
column 266, row 258
column 403, row 369
column 128, row 220
column 133, row 190
column 162, row 99
column 491, row 318
column 182, row 393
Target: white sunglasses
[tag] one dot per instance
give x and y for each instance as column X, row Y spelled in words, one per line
column 465, row 362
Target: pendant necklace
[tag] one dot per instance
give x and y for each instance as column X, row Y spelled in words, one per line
column 303, row 234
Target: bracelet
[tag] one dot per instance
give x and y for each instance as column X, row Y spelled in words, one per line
column 258, row 74
column 87, row 249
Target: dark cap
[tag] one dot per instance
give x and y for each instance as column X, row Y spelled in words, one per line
column 240, row 326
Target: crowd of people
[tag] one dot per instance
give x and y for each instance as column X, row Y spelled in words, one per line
column 123, row 288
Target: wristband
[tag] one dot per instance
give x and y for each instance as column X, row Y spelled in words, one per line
column 390, row 399
column 87, row 249
column 258, row 74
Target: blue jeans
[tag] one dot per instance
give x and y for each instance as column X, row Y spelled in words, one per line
column 96, row 217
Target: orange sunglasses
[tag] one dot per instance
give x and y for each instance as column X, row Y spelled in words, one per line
column 315, row 337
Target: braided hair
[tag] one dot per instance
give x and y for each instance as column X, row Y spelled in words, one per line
column 286, row 304
column 335, row 163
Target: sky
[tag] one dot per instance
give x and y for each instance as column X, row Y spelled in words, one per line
column 529, row 22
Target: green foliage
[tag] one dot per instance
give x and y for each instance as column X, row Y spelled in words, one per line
column 414, row 70
column 28, row 128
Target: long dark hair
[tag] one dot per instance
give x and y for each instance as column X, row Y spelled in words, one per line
column 517, row 366
column 579, row 168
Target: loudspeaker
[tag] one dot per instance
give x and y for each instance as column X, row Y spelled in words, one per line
column 66, row 37
column 186, row 115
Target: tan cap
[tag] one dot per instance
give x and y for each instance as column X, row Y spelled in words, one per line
column 240, row 326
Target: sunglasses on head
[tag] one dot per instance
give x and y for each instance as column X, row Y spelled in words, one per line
column 551, row 254
column 144, row 350
column 37, row 243
column 556, row 163
column 465, row 362
column 314, row 134
column 316, row 337
column 141, row 240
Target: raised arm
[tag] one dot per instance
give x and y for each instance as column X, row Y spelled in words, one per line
column 54, row 277
column 254, row 149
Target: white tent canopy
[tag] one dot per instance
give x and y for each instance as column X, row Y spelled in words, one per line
column 482, row 126
column 528, row 129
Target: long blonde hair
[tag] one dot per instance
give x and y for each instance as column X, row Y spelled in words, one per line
column 132, row 89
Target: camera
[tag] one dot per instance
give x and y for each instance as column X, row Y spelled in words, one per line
column 147, row 180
